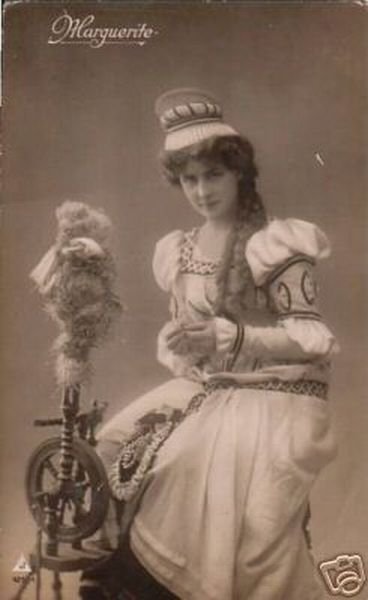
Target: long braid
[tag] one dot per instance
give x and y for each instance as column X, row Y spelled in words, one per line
column 223, row 273
column 234, row 278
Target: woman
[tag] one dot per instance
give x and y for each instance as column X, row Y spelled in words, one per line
column 215, row 466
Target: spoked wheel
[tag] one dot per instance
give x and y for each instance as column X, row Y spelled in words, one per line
column 81, row 504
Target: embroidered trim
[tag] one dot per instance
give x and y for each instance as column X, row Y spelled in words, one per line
column 234, row 352
column 138, row 452
column 310, row 294
column 303, row 387
column 283, row 288
column 189, row 264
column 291, row 261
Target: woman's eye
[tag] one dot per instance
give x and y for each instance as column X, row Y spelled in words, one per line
column 188, row 180
column 215, row 173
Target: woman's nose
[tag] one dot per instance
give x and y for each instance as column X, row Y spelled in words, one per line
column 203, row 188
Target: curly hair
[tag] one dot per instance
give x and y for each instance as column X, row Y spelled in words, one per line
column 236, row 153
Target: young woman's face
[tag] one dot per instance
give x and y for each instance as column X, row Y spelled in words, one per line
column 211, row 188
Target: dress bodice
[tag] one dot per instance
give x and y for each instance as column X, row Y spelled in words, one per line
column 280, row 294
column 194, row 291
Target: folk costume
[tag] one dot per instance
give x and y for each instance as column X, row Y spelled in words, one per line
column 215, row 466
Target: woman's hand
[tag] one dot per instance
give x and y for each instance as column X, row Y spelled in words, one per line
column 195, row 338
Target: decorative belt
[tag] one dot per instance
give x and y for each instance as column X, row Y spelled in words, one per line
column 303, row 387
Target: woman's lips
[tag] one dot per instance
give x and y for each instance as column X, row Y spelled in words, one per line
column 209, row 204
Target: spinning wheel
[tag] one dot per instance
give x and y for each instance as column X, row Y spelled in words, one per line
column 80, row 504
column 66, row 486
column 67, row 492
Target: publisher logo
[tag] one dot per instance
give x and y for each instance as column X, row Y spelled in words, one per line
column 343, row 575
column 21, row 570
column 66, row 29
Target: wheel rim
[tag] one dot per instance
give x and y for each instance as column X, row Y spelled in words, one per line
column 82, row 504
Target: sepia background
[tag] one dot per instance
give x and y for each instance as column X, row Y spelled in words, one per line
column 79, row 124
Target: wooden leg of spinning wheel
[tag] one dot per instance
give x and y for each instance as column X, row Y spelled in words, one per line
column 23, row 586
column 51, row 523
column 38, row 563
column 57, row 585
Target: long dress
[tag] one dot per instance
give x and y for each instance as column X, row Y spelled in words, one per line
column 237, row 440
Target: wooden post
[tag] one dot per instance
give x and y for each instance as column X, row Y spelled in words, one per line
column 69, row 407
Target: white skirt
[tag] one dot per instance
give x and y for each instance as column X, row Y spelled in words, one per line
column 222, row 509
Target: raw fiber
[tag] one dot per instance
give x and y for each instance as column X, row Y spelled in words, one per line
column 76, row 278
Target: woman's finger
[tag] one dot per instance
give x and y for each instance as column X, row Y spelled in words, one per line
column 179, row 348
column 177, row 332
column 200, row 326
column 197, row 335
column 176, row 340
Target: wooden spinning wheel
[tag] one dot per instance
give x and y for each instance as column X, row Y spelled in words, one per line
column 80, row 503
column 67, row 489
column 67, row 493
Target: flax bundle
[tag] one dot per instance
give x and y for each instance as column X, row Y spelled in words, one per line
column 76, row 279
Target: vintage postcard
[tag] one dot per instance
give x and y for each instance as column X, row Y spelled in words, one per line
column 183, row 301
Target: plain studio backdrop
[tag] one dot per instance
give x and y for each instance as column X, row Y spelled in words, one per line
column 79, row 124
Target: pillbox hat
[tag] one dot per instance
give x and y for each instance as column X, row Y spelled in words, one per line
column 189, row 116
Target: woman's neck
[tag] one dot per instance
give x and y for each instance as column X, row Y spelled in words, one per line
column 219, row 225
column 212, row 238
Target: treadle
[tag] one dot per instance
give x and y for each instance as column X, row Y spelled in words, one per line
column 69, row 559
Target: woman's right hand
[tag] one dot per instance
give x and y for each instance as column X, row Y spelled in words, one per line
column 176, row 339
column 198, row 339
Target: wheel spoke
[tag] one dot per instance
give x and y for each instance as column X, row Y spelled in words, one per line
column 62, row 510
column 50, row 467
column 80, row 473
column 79, row 511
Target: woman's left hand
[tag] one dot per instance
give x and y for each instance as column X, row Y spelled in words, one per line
column 197, row 338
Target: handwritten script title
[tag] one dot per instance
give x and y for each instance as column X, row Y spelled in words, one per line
column 66, row 29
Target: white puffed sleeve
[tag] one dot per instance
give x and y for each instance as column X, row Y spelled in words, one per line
column 280, row 241
column 282, row 257
column 166, row 259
